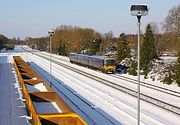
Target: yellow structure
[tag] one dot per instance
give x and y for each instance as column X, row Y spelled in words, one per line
column 45, row 106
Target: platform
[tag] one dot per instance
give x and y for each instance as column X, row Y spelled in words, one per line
column 12, row 108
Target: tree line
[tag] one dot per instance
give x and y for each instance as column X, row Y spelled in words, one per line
column 8, row 43
column 69, row 38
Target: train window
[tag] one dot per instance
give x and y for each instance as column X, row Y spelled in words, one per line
column 110, row 62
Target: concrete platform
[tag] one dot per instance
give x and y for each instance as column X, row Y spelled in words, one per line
column 12, row 108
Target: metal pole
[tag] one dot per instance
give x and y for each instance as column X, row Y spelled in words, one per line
column 27, row 52
column 27, row 56
column 138, row 85
column 50, row 61
column 21, row 48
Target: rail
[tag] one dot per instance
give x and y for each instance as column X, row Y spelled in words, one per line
column 147, row 98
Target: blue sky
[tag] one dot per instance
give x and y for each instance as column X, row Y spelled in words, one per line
column 33, row 18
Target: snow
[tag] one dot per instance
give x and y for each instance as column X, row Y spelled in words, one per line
column 168, row 59
column 107, row 100
column 174, row 100
column 104, row 105
column 34, row 78
column 3, row 50
column 46, row 107
column 161, row 68
column 158, row 76
column 156, row 82
column 37, row 87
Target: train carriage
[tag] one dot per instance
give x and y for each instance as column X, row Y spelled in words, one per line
column 103, row 63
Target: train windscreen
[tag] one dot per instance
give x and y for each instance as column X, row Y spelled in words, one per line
column 110, row 62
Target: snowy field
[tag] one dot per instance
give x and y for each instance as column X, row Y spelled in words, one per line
column 106, row 106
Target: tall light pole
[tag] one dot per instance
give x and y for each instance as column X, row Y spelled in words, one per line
column 50, row 32
column 27, row 52
column 138, row 10
column 27, row 39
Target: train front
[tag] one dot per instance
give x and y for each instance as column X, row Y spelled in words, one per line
column 109, row 65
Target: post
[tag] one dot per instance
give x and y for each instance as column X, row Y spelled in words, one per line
column 27, row 53
column 138, row 85
column 21, row 48
column 27, row 56
column 51, row 32
column 139, row 10
column 50, row 77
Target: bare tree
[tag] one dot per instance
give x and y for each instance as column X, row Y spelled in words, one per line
column 107, row 40
column 154, row 27
column 172, row 21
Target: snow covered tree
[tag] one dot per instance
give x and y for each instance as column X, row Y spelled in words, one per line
column 123, row 50
column 133, row 68
column 148, row 50
column 168, row 79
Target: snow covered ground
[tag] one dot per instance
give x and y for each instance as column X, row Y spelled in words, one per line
column 117, row 106
column 107, row 106
column 166, row 60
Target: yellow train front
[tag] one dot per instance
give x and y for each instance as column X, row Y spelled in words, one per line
column 103, row 63
column 109, row 65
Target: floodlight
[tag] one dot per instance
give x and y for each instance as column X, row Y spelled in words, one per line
column 139, row 10
column 51, row 32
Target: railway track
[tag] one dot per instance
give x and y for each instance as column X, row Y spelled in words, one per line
column 77, row 96
column 151, row 86
column 98, row 93
column 56, row 86
column 152, row 100
column 145, row 84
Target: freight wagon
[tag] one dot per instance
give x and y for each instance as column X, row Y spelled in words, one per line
column 44, row 105
column 104, row 63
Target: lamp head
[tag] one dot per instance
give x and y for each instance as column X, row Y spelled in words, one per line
column 51, row 32
column 139, row 10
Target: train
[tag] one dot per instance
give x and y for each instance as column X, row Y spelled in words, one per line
column 103, row 63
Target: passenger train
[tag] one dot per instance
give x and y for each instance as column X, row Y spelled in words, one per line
column 104, row 63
